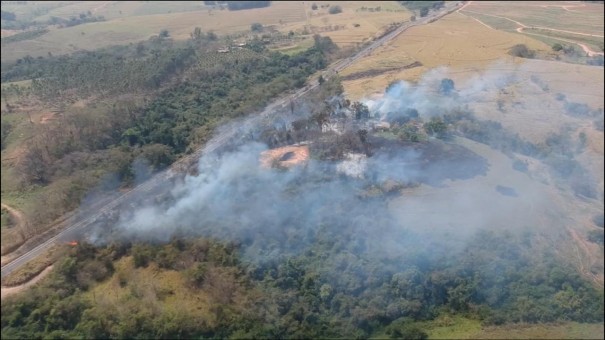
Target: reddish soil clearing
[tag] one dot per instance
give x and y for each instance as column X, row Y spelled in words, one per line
column 287, row 156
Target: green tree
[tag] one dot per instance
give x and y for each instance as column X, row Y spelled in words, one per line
column 360, row 110
column 436, row 127
column 447, row 86
column 197, row 34
column 335, row 9
column 256, row 27
column 521, row 51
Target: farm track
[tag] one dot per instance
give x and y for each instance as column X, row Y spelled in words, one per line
column 97, row 211
column 522, row 27
column 17, row 215
column 7, row 291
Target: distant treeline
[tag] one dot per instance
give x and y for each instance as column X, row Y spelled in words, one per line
column 238, row 5
column 418, row 5
column 106, row 138
column 10, row 16
column 24, row 36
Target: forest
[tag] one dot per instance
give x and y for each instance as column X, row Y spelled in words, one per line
column 335, row 288
column 150, row 101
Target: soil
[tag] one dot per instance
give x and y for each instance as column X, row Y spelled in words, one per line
column 287, row 156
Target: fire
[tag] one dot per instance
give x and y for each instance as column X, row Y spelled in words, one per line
column 73, row 243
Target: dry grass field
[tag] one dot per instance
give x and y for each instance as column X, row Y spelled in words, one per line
column 130, row 22
column 456, row 41
column 572, row 16
column 475, row 55
column 579, row 23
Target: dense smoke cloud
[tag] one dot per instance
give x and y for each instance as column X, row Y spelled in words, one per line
column 275, row 212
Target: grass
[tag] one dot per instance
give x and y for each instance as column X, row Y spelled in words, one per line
column 452, row 327
column 567, row 330
column 122, row 9
column 10, row 235
column 386, row 134
column 595, row 43
column 155, row 284
column 587, row 18
column 295, row 49
column 496, row 23
column 33, row 267
column 6, row 220
column 455, row 40
column 130, row 22
column 33, row 9
column 460, row 327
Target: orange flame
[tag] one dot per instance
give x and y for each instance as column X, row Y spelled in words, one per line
column 73, row 243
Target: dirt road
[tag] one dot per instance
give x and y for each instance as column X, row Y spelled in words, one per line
column 7, row 291
column 522, row 27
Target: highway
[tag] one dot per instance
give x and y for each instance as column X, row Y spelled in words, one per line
column 78, row 224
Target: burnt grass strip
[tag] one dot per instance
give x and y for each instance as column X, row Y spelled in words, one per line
column 372, row 73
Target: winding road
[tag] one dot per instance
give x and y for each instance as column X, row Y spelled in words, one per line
column 91, row 216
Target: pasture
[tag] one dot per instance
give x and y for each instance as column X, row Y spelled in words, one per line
column 456, row 41
column 575, row 23
column 130, row 22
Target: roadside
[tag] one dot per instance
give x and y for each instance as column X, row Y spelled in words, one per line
column 12, row 236
column 8, row 291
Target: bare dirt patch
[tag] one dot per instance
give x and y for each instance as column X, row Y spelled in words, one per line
column 287, row 156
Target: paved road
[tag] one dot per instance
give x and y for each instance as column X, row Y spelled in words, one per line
column 214, row 144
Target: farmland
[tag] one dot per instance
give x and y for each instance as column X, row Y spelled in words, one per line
column 456, row 41
column 130, row 22
column 572, row 23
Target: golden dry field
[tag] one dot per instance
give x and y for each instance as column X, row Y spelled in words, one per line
column 130, row 22
column 521, row 94
column 456, row 41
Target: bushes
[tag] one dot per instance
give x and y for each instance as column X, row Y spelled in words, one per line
column 335, row 9
column 521, row 51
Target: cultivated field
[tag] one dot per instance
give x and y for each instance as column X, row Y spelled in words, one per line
column 130, row 22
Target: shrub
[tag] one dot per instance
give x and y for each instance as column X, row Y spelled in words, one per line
column 520, row 50
column 256, row 27
column 335, row 10
column 557, row 47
